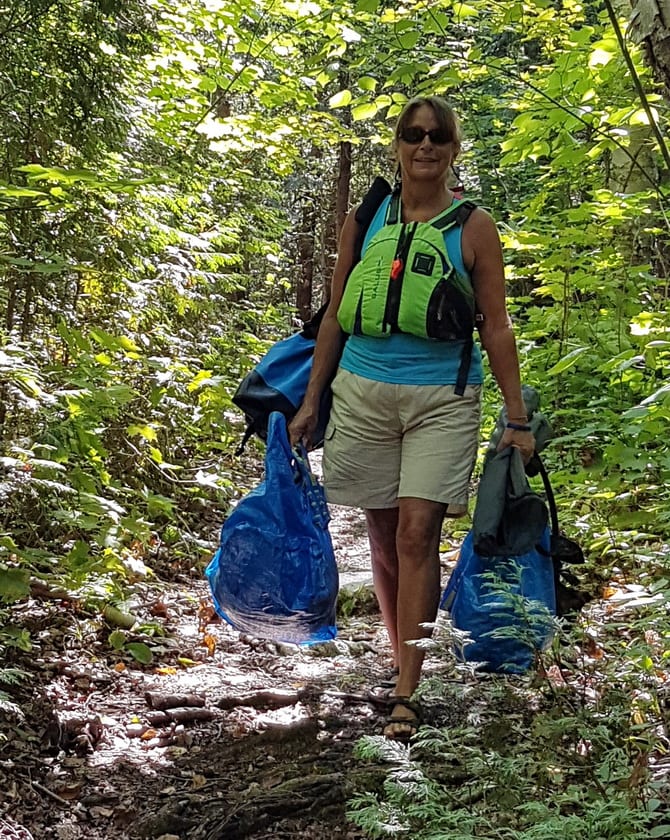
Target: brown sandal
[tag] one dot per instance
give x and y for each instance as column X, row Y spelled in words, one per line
column 382, row 693
column 408, row 723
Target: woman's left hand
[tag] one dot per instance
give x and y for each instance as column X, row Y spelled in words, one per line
column 524, row 442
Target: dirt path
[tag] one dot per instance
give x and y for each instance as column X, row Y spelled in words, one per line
column 221, row 736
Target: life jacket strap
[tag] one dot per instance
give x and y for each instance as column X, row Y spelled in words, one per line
column 393, row 211
column 455, row 214
column 464, row 367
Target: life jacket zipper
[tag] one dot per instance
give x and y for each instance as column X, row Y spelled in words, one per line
column 397, row 276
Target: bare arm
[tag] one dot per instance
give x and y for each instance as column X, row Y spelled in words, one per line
column 328, row 344
column 482, row 254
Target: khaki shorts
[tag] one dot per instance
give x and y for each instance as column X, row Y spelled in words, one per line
column 385, row 442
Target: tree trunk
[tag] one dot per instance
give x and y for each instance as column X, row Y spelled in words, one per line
column 303, row 300
column 650, row 26
column 336, row 214
column 343, row 185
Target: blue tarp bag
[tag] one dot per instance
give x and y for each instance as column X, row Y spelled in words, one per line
column 274, row 574
column 503, row 589
column 505, row 603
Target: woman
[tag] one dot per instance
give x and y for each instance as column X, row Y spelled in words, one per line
column 401, row 441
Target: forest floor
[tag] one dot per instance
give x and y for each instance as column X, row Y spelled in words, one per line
column 220, row 736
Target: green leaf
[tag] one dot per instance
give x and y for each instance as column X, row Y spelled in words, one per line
column 567, row 361
column 365, row 111
column 340, row 100
column 147, row 432
column 141, row 652
column 600, row 57
column 20, row 192
column 117, row 639
column 408, row 39
column 367, row 83
column 118, row 617
column 14, row 584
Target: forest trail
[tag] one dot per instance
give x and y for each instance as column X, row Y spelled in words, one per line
column 227, row 737
column 221, row 736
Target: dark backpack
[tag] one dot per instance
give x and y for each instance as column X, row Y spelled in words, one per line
column 279, row 381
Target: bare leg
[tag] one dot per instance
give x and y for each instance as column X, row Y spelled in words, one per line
column 405, row 544
column 382, row 527
column 418, row 547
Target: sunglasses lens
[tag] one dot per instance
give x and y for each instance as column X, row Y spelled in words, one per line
column 413, row 134
column 438, row 136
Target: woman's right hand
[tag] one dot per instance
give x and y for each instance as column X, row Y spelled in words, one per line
column 301, row 429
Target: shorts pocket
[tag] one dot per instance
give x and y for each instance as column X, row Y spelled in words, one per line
column 330, row 430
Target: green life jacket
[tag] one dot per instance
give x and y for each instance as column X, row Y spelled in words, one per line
column 405, row 282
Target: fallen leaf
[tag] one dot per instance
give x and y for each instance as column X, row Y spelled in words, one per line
column 166, row 671
column 97, row 811
column 198, row 781
column 149, row 734
column 120, row 666
column 210, row 643
column 207, row 614
column 159, row 608
column 70, row 791
column 592, row 649
column 141, row 652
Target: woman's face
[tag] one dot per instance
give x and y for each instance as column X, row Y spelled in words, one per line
column 425, row 159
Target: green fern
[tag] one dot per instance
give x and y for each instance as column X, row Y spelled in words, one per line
column 12, row 676
column 8, row 706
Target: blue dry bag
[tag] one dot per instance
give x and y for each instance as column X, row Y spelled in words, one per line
column 279, row 381
column 506, row 604
column 503, row 589
column 274, row 574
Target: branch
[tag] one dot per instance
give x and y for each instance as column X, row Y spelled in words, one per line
column 508, row 71
column 638, row 84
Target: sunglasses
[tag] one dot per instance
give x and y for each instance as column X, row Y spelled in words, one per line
column 414, row 135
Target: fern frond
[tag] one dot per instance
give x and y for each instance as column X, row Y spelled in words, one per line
column 9, row 707
column 12, row 676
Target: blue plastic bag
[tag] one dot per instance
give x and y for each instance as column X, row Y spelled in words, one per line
column 274, row 574
column 506, row 604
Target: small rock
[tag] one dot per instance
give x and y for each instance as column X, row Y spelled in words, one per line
column 136, row 730
column 286, row 649
column 334, row 647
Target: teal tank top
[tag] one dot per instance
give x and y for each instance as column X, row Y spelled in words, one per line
column 404, row 359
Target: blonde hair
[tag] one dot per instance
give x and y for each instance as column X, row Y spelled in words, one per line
column 444, row 114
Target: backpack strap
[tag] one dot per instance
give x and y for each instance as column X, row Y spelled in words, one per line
column 248, row 432
column 549, row 492
column 366, row 211
column 455, row 214
column 393, row 211
column 464, row 367
column 458, row 214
